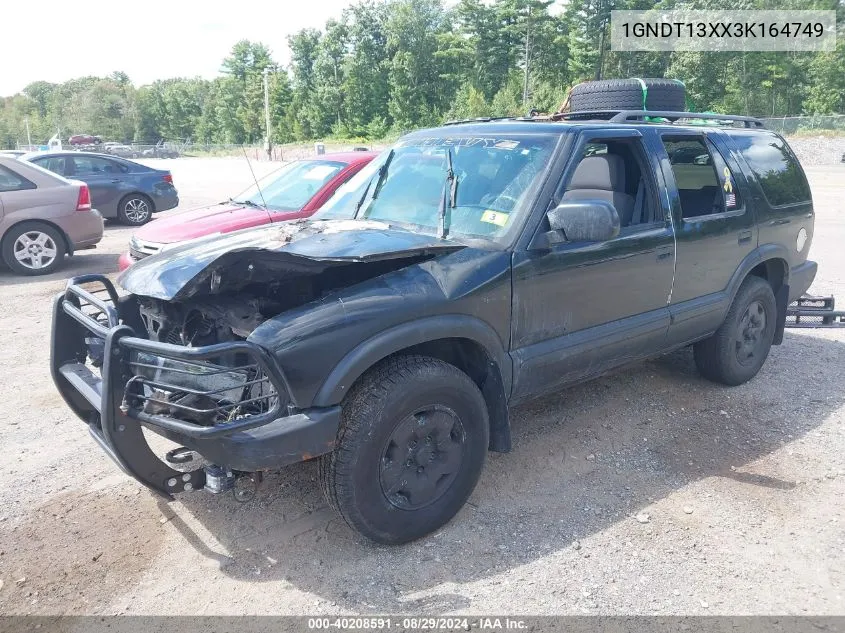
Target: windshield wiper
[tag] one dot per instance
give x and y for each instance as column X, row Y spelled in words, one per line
column 382, row 172
column 246, row 203
column 450, row 189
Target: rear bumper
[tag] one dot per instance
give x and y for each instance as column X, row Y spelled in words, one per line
column 83, row 228
column 801, row 278
column 106, row 402
column 165, row 199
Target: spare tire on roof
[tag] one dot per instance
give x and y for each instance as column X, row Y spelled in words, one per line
column 628, row 94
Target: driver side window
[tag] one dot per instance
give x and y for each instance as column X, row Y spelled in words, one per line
column 615, row 171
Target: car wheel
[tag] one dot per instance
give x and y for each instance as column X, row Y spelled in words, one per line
column 738, row 349
column 33, row 248
column 135, row 210
column 411, row 445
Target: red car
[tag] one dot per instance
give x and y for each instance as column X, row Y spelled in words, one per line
column 296, row 190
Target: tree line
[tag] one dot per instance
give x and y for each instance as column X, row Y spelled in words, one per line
column 387, row 66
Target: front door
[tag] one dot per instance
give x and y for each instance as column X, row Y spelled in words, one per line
column 581, row 308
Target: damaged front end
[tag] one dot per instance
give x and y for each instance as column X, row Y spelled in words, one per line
column 174, row 356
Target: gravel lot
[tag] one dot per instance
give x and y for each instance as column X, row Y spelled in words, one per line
column 650, row 491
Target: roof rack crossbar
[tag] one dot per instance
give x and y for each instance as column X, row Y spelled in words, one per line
column 626, row 115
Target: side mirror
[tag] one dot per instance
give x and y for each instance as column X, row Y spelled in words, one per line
column 584, row 221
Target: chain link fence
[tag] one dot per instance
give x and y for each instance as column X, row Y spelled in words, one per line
column 176, row 149
column 833, row 124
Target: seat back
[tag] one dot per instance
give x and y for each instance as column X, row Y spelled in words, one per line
column 602, row 177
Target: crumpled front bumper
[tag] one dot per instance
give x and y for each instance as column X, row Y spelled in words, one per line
column 270, row 440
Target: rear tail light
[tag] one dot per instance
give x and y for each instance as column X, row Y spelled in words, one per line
column 167, row 178
column 83, row 203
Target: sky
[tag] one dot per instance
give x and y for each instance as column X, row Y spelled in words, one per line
column 147, row 39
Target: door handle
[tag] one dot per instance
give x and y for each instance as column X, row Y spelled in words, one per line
column 744, row 237
column 116, row 180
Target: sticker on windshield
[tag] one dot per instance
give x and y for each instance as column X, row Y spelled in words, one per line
column 319, row 172
column 507, row 145
column 495, row 217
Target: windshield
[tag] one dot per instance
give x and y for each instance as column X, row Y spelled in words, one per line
column 494, row 179
column 291, row 187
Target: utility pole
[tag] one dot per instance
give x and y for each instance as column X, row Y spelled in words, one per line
column 527, row 49
column 267, row 146
column 28, row 136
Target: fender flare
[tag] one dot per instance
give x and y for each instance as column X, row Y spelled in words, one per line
column 368, row 353
column 761, row 254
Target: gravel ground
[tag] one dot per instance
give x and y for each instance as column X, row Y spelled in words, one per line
column 650, row 491
column 818, row 150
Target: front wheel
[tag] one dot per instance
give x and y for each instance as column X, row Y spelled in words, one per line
column 738, row 349
column 411, row 446
column 135, row 210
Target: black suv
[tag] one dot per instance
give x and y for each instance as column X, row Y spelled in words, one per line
column 468, row 268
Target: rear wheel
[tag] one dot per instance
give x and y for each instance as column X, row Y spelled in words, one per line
column 738, row 349
column 33, row 248
column 411, row 446
column 135, row 209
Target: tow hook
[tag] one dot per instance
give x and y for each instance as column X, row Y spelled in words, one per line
column 180, row 455
column 243, row 485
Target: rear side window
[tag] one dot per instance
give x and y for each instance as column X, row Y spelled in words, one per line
column 94, row 166
column 10, row 181
column 775, row 167
column 705, row 184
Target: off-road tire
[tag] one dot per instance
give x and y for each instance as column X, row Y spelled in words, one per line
column 717, row 357
column 627, row 94
column 374, row 410
column 123, row 211
column 11, row 237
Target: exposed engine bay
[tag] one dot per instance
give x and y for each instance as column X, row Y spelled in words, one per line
column 231, row 385
column 234, row 304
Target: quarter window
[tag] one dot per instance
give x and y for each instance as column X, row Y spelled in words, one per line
column 775, row 167
column 10, row 181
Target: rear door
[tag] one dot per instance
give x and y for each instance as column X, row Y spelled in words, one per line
column 715, row 229
column 105, row 179
column 581, row 308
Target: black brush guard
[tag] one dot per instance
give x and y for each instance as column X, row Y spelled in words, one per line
column 814, row 312
column 87, row 325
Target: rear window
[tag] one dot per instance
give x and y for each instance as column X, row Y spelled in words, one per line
column 775, row 167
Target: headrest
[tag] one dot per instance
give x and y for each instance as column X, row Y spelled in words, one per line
column 603, row 171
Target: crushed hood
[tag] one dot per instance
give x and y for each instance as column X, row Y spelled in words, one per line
column 296, row 248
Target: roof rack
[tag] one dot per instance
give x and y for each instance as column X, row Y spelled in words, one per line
column 627, row 116
column 484, row 119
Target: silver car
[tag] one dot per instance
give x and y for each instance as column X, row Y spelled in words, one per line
column 43, row 217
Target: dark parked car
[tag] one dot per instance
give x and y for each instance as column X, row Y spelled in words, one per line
column 120, row 188
column 467, row 269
